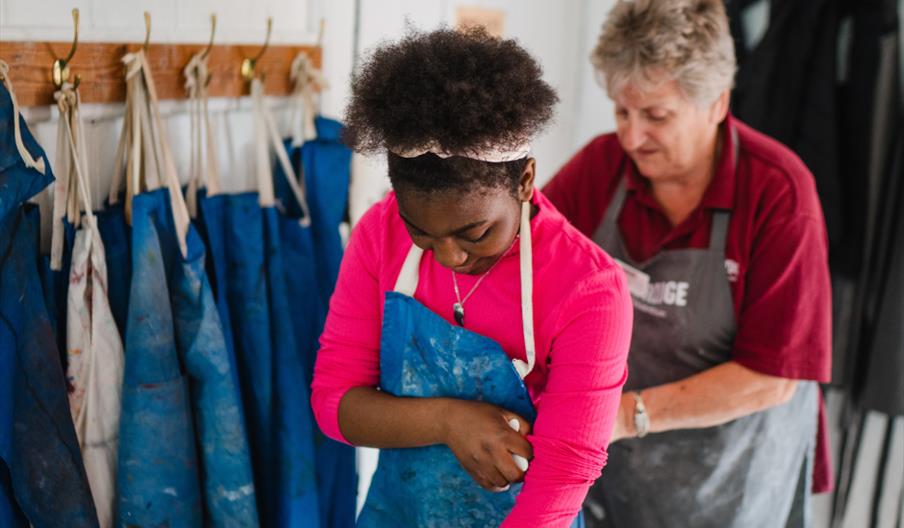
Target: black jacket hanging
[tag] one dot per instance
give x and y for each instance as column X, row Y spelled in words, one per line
column 785, row 87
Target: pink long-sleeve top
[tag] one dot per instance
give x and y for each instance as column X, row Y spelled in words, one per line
column 582, row 320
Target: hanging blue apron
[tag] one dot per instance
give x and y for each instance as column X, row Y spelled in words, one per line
column 247, row 260
column 114, row 232
column 227, row 480
column 173, row 326
column 42, row 478
column 299, row 255
column 326, row 164
column 313, row 255
column 157, row 479
column 297, row 501
column 423, row 356
column 38, row 445
column 233, row 226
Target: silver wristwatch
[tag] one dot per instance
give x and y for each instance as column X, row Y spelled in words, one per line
column 641, row 418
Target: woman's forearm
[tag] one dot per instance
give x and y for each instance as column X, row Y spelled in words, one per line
column 372, row 418
column 713, row 397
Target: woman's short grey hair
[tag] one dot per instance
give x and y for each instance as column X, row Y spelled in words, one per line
column 686, row 40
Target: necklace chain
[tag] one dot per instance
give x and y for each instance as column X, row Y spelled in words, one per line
column 459, row 308
column 473, row 288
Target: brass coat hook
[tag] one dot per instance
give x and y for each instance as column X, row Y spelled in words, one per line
column 249, row 64
column 147, row 30
column 213, row 30
column 61, row 66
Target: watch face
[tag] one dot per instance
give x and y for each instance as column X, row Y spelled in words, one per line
column 641, row 423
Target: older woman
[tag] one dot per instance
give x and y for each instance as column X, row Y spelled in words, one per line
column 721, row 235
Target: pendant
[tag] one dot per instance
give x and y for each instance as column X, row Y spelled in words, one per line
column 459, row 312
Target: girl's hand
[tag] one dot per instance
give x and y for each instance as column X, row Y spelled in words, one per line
column 482, row 440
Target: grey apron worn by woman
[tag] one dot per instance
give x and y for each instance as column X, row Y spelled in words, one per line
column 751, row 472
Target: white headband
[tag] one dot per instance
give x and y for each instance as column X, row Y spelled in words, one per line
column 489, row 155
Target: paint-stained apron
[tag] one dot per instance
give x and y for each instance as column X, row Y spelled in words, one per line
column 423, row 356
column 751, row 472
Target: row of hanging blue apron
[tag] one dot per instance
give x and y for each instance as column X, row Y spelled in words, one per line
column 42, row 477
column 253, row 249
column 178, row 380
column 323, row 164
column 423, row 356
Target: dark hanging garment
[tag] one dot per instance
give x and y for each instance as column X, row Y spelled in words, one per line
column 18, row 181
column 883, row 382
column 877, row 357
column 38, row 444
column 785, row 88
column 42, row 477
column 868, row 97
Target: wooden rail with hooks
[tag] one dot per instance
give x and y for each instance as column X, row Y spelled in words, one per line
column 100, row 67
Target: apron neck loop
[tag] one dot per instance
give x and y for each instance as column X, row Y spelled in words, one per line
column 308, row 80
column 30, row 162
column 407, row 281
column 266, row 133
column 527, row 294
column 72, row 184
column 204, row 172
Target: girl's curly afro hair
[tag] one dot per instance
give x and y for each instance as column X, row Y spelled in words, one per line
column 463, row 90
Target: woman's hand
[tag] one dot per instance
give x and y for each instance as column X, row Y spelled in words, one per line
column 482, row 440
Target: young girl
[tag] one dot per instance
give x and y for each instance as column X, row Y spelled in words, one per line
column 472, row 328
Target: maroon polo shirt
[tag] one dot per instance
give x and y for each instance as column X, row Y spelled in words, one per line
column 776, row 251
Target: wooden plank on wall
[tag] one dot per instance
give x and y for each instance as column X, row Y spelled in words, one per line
column 102, row 73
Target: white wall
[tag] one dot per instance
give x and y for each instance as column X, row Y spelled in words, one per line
column 556, row 33
column 593, row 108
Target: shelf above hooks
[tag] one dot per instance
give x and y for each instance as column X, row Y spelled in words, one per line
column 99, row 65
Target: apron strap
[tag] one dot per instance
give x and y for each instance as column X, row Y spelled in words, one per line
column 63, row 183
column 718, row 234
column 78, row 158
column 407, row 281
column 29, row 161
column 307, row 79
column 181, row 219
column 527, row 294
column 607, row 231
column 71, row 184
column 618, row 202
column 204, row 169
column 266, row 132
column 262, row 153
column 719, row 231
column 148, row 147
